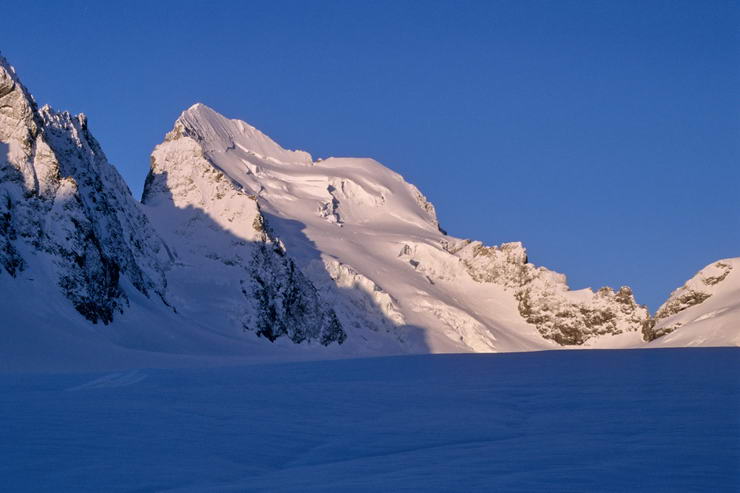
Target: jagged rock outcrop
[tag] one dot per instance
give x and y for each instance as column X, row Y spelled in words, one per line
column 695, row 291
column 60, row 198
column 285, row 302
column 544, row 299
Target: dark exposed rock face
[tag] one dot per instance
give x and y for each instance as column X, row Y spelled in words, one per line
column 287, row 304
column 60, row 198
column 10, row 259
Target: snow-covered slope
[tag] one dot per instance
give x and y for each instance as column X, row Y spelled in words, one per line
column 371, row 244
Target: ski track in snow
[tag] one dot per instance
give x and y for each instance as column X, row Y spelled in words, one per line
column 112, row 381
column 638, row 420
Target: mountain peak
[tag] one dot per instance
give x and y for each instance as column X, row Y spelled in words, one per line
column 7, row 70
column 17, row 106
column 215, row 132
column 198, row 110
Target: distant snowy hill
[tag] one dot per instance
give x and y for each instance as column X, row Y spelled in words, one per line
column 242, row 248
column 703, row 312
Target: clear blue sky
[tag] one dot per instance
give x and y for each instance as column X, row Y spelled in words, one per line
column 603, row 135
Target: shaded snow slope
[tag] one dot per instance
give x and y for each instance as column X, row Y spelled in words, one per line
column 660, row 420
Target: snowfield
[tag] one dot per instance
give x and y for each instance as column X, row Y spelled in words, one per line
column 637, row 420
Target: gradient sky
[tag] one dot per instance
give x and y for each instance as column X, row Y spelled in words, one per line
column 603, row 135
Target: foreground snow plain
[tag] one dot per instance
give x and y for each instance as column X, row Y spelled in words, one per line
column 632, row 420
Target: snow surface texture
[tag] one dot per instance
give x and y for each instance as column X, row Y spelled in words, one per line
column 241, row 248
column 659, row 420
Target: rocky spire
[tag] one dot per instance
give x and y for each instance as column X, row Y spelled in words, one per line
column 60, row 198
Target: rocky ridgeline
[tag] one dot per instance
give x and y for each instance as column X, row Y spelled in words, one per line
column 695, row 291
column 60, row 198
column 567, row 317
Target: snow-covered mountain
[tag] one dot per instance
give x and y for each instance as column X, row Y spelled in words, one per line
column 370, row 242
column 67, row 213
column 229, row 268
column 240, row 246
column 705, row 311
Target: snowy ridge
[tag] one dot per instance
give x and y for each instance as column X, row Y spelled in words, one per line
column 344, row 221
column 705, row 311
column 215, row 133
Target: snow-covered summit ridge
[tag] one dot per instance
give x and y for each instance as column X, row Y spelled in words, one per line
column 358, row 186
column 216, row 132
